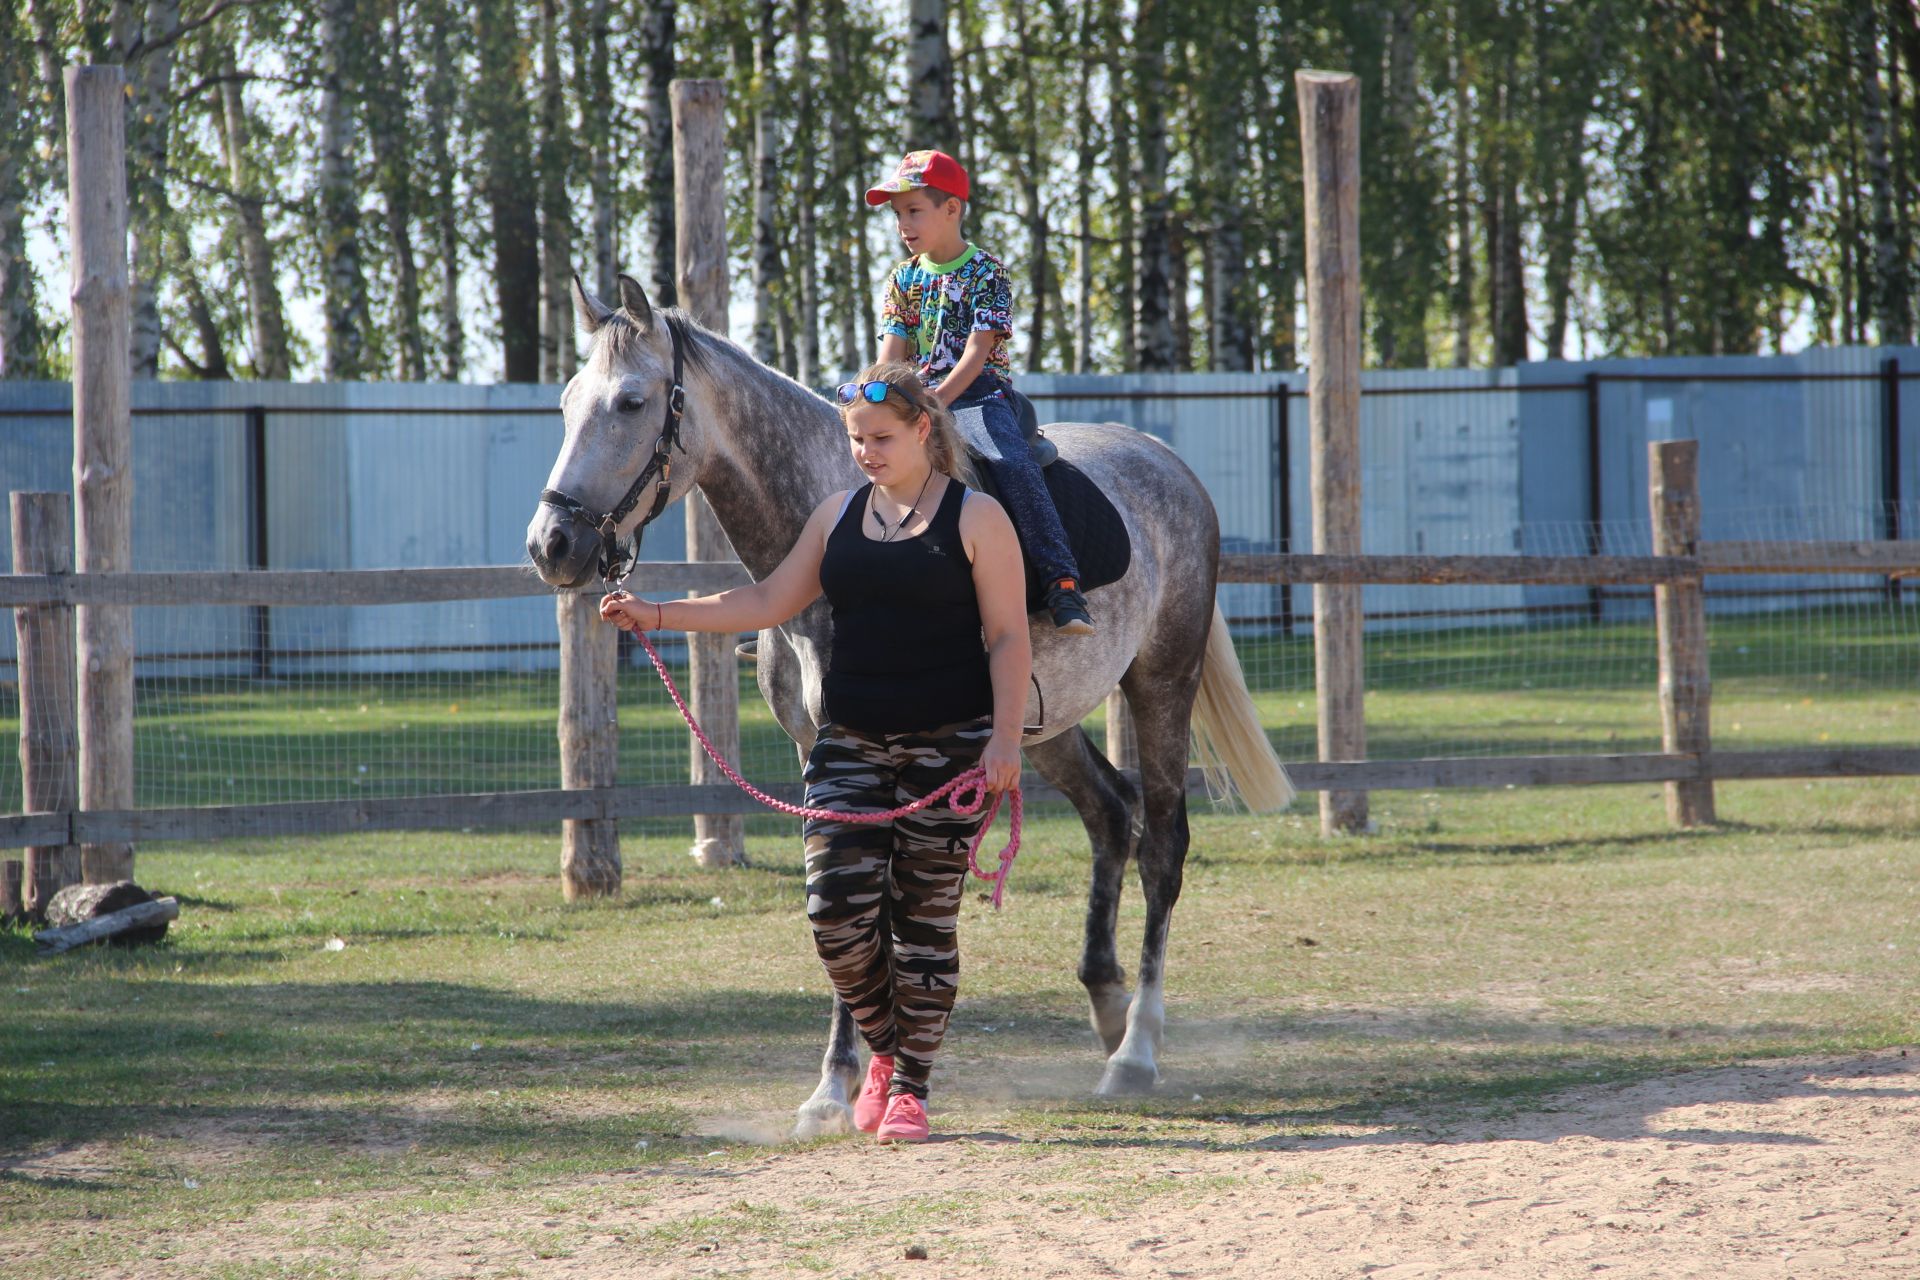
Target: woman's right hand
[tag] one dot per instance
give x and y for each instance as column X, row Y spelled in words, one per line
column 623, row 610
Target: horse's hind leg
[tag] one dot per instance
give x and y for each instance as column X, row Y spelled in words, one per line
column 1106, row 802
column 1161, row 723
column 830, row 1109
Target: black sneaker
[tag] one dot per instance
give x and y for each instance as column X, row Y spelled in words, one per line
column 1069, row 609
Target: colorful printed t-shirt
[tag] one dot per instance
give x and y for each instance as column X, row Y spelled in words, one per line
column 936, row 305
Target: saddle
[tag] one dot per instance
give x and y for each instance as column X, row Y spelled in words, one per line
column 1094, row 528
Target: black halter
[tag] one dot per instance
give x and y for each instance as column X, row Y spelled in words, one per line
column 617, row 561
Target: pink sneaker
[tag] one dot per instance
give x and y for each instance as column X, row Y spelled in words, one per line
column 906, row 1120
column 872, row 1102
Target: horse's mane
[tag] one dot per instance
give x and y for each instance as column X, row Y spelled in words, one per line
column 695, row 341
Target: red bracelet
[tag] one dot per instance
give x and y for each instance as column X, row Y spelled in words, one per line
column 658, row 617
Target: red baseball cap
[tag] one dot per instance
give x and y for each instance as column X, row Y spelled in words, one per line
column 921, row 169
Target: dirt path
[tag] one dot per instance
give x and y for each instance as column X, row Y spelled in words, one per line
column 1790, row 1169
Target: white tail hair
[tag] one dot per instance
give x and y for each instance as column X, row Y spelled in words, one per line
column 1233, row 749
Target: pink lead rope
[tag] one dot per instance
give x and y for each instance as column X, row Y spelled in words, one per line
column 973, row 781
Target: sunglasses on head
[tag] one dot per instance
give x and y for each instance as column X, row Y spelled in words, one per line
column 872, row 392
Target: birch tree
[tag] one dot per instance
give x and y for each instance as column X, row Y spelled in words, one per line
column 1153, row 339
column 441, row 96
column 22, row 340
column 500, row 111
column 930, row 116
column 339, row 197
column 657, row 71
column 246, row 193
column 558, row 357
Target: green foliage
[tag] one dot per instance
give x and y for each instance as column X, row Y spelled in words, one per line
column 1639, row 176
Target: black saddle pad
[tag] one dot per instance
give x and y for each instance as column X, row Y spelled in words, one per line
column 1094, row 528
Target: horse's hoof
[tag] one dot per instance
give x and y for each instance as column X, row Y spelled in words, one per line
column 821, row 1118
column 1127, row 1080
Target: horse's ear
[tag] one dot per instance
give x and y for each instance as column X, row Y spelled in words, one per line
column 592, row 312
column 633, row 301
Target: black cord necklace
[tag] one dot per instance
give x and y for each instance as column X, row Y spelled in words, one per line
column 887, row 535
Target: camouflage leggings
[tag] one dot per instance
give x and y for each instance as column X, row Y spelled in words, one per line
column 884, row 900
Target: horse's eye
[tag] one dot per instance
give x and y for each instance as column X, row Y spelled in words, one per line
column 629, row 404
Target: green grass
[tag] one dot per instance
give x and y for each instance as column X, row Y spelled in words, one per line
column 480, row 1043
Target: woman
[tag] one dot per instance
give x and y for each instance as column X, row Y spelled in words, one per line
column 928, row 677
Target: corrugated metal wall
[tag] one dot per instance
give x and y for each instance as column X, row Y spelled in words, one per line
column 1455, row 461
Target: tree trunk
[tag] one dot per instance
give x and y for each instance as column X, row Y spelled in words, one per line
column 1125, row 185
column 767, row 270
column 596, row 133
column 845, row 277
column 1402, row 263
column 266, row 319
column 558, row 359
column 1462, row 201
column 657, row 68
column 387, row 129
column 806, row 364
column 1505, row 285
column 22, row 341
column 211, row 366
column 442, row 93
column 1891, row 306
column 1180, row 285
column 501, row 111
column 1087, row 155
column 1032, row 176
column 1154, row 345
column 930, row 118
column 48, row 60
column 149, row 113
column 1229, row 334
column 345, row 286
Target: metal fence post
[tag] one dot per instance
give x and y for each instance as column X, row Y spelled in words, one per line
column 1890, row 463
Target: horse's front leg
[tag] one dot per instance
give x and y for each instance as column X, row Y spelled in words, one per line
column 830, row 1109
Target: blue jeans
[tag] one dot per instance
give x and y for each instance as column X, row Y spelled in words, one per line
column 1023, row 490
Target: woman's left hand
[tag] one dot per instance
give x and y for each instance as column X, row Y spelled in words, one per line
column 1002, row 762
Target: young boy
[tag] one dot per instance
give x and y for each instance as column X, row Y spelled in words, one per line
column 949, row 310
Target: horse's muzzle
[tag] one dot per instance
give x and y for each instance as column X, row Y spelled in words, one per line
column 565, row 549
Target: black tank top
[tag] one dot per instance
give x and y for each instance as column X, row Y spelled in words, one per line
column 907, row 648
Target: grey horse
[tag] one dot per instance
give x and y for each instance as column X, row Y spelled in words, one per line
column 765, row 451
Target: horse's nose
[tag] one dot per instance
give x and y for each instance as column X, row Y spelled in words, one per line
column 558, row 545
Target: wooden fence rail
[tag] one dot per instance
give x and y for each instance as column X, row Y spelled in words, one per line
column 301, row 587
column 596, row 804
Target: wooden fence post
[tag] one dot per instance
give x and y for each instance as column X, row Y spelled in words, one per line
column 1680, row 612
column 589, row 742
column 1330, row 151
column 42, row 525
column 102, row 444
column 700, row 269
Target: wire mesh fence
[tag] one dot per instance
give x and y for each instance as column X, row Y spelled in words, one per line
column 263, row 705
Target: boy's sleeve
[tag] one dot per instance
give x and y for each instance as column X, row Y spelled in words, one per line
column 898, row 316
column 992, row 299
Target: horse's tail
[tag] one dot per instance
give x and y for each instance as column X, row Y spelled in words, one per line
column 1233, row 749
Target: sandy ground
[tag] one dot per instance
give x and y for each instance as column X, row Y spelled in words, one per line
column 1786, row 1169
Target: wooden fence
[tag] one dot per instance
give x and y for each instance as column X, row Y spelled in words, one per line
column 1688, row 765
